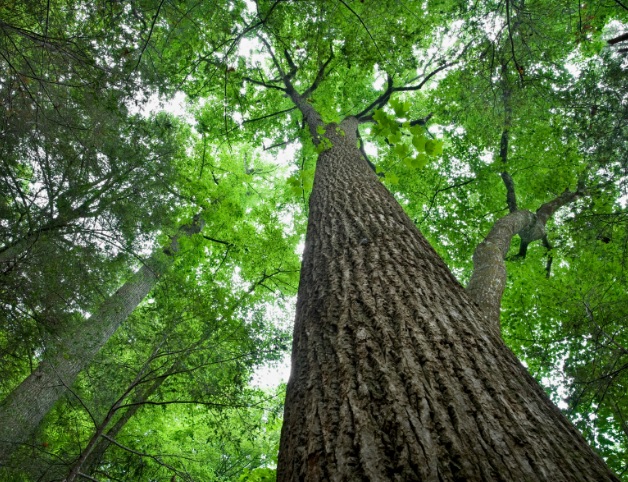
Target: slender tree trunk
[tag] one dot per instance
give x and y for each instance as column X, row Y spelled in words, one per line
column 395, row 376
column 24, row 408
column 94, row 458
column 95, row 449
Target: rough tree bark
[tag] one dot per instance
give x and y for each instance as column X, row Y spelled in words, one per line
column 24, row 408
column 395, row 376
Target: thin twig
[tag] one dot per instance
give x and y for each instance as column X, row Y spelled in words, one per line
column 365, row 28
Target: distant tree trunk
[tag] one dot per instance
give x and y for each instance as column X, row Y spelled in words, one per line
column 24, row 408
column 94, row 458
column 395, row 376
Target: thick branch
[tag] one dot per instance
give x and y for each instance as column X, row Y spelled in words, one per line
column 310, row 116
column 284, row 76
column 488, row 280
column 423, row 121
column 511, row 198
column 366, row 114
column 548, row 209
column 293, row 66
column 263, row 84
column 420, row 85
column 377, row 103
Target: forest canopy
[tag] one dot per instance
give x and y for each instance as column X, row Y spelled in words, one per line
column 150, row 256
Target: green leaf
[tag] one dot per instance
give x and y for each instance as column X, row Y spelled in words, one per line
column 438, row 147
column 430, row 146
column 402, row 150
column 380, row 116
column 420, row 161
column 395, row 138
column 392, row 178
column 401, row 108
column 324, row 145
column 419, row 141
column 417, row 130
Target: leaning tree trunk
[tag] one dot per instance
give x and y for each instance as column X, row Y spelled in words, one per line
column 24, row 408
column 95, row 449
column 395, row 375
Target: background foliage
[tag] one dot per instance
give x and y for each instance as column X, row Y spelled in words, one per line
column 96, row 177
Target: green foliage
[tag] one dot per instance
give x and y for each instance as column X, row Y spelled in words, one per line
column 323, row 145
column 414, row 154
column 259, row 475
column 88, row 189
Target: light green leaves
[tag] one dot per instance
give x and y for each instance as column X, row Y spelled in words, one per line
column 434, row 147
column 400, row 107
column 418, row 141
column 417, row 162
column 392, row 178
column 402, row 150
column 395, row 137
column 409, row 143
column 323, row 145
column 259, row 475
column 301, row 182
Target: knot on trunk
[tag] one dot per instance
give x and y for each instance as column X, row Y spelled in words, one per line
column 533, row 232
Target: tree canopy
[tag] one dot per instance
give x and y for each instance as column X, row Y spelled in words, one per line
column 472, row 114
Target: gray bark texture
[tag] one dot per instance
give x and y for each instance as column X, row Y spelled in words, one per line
column 395, row 376
column 488, row 279
column 25, row 407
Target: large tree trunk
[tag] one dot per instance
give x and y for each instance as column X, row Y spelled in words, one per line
column 24, row 408
column 395, row 374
